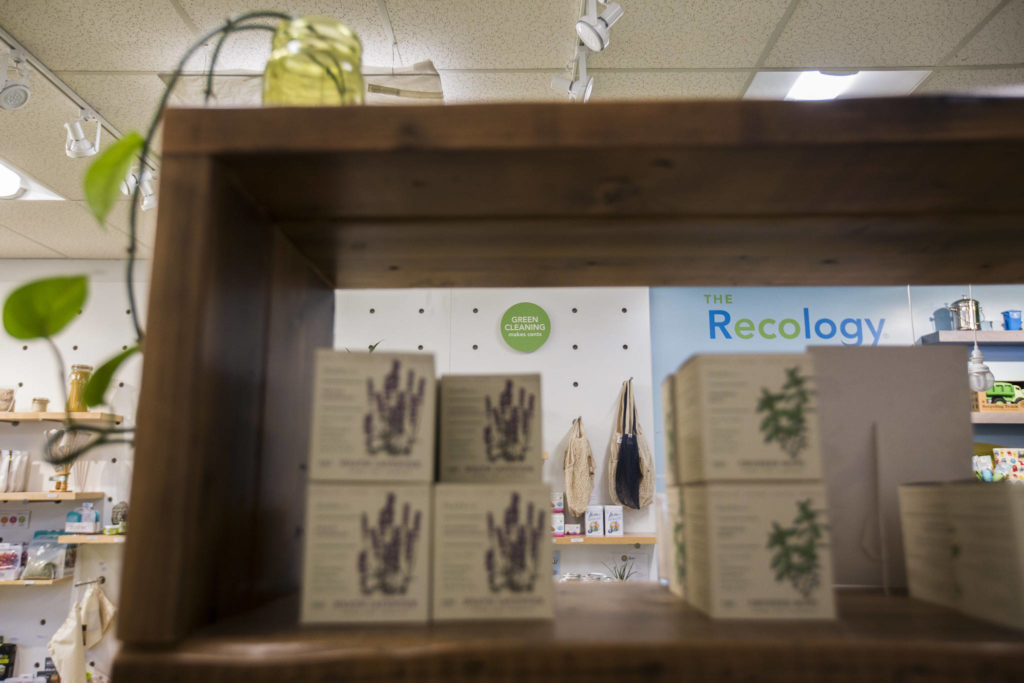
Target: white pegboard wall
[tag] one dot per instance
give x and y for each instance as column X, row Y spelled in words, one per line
column 30, row 615
column 599, row 337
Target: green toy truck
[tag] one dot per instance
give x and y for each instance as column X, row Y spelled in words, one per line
column 1005, row 392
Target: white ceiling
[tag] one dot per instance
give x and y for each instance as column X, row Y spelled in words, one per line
column 112, row 53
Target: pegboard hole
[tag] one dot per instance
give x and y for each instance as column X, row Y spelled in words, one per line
column 21, row 384
column 421, row 311
column 109, row 499
column 575, row 310
column 476, row 310
column 420, row 347
column 625, row 346
column 475, row 347
column 25, row 347
column 373, row 310
column 127, row 311
column 575, row 384
column 42, row 622
column 124, row 347
column 113, row 460
column 624, row 309
column 575, row 347
column 120, row 384
column 75, row 347
column 37, row 665
column 92, row 664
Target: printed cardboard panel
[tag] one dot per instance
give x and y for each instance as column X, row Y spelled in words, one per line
column 668, row 414
column 367, row 553
column 373, row 417
column 674, row 546
column 928, row 544
column 492, row 552
column 491, row 429
column 747, row 416
column 758, row 551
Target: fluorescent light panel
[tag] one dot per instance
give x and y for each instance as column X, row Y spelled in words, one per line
column 12, row 180
column 814, row 85
column 776, row 85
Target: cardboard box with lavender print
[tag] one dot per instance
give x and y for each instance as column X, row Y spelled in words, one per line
column 758, row 551
column 373, row 417
column 367, row 553
column 490, row 429
column 492, row 552
column 746, row 416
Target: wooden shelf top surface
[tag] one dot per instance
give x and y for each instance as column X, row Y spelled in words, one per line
column 34, row 582
column 603, row 632
column 604, row 540
column 86, row 417
column 990, row 337
column 1008, row 417
column 93, row 539
column 37, row 496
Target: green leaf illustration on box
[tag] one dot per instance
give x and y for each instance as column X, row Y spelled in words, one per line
column 795, row 557
column 513, row 558
column 785, row 420
column 387, row 559
column 509, row 423
column 679, row 536
column 394, row 412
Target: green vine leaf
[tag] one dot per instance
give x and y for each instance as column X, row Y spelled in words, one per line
column 43, row 308
column 103, row 179
column 96, row 387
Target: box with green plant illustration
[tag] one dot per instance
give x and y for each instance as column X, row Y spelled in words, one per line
column 675, row 541
column 746, row 416
column 758, row 551
column 492, row 552
column 668, row 421
column 367, row 553
column 373, row 417
column 490, row 429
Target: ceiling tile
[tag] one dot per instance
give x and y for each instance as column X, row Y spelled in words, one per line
column 649, row 85
column 723, row 33
column 866, row 33
column 1001, row 41
column 16, row 245
column 473, row 34
column 99, row 35
column 66, row 227
column 1007, row 82
column 146, row 223
column 494, row 86
column 249, row 51
column 128, row 101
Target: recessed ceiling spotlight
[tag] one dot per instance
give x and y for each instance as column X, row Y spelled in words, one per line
column 77, row 146
column 578, row 85
column 14, row 94
column 819, row 85
column 593, row 29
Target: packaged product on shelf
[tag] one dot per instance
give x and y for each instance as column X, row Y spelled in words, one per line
column 594, row 521
column 490, row 429
column 47, row 558
column 668, row 421
column 12, row 556
column 557, row 524
column 746, row 416
column 674, row 536
column 8, row 658
column 492, row 551
column 758, row 551
column 17, row 477
column 612, row 520
column 5, row 469
column 373, row 417
column 83, row 520
column 367, row 553
column 573, row 529
column 557, row 501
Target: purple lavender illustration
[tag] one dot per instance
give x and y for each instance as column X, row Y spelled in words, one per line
column 386, row 561
column 513, row 559
column 507, row 435
column 394, row 412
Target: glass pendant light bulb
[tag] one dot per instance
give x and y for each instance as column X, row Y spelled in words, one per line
column 978, row 375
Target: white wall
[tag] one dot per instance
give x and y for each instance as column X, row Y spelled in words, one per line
column 461, row 328
column 30, row 615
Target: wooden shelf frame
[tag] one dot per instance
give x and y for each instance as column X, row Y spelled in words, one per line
column 93, row 539
column 88, row 418
column 997, row 418
column 50, row 496
column 604, row 540
column 264, row 212
column 986, row 337
column 35, row 582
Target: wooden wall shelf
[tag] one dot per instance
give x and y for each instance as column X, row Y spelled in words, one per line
column 93, row 419
column 989, row 337
column 35, row 582
column 998, row 418
column 40, row 496
column 604, row 540
column 93, row 539
column 264, row 212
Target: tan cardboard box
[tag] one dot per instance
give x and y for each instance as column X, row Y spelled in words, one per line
column 373, row 417
column 492, row 552
column 928, row 543
column 746, row 416
column 675, row 541
column 367, row 553
column 668, row 423
column 758, row 551
column 490, row 429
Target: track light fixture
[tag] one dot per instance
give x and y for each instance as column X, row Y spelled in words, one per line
column 132, row 180
column 593, row 29
column 13, row 94
column 77, row 146
column 578, row 85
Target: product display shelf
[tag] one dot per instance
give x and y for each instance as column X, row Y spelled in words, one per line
column 998, row 418
column 265, row 212
column 34, row 582
column 93, row 539
column 602, row 632
column 49, row 496
column 604, row 540
column 91, row 419
column 988, row 337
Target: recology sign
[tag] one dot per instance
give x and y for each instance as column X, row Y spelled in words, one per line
column 849, row 331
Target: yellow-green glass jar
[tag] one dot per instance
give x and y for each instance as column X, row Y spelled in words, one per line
column 314, row 61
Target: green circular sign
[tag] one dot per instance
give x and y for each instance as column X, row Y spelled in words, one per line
column 525, row 327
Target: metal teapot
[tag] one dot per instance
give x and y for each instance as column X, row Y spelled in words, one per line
column 965, row 314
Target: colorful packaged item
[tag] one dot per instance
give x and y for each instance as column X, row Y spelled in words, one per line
column 594, row 520
column 612, row 520
column 12, row 556
column 557, row 524
column 83, row 520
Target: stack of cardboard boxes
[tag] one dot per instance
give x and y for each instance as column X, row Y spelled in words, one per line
column 747, row 511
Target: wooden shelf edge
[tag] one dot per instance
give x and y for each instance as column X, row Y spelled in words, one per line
column 42, row 496
column 34, row 582
column 90, row 418
column 93, row 539
column 990, row 337
column 604, row 540
column 997, row 418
